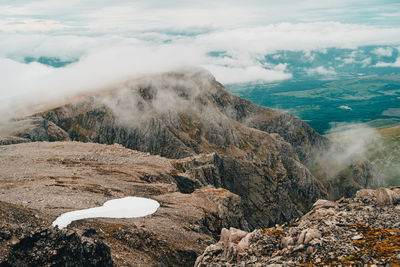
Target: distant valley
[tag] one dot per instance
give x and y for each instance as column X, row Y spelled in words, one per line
column 333, row 86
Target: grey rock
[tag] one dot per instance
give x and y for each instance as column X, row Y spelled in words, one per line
column 49, row 247
column 385, row 196
column 324, row 204
column 366, row 193
column 311, row 234
column 328, row 242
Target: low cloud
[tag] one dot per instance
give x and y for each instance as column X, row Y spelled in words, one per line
column 110, row 42
column 322, row 71
column 393, row 64
column 352, row 143
column 383, row 51
column 248, row 74
column 345, row 107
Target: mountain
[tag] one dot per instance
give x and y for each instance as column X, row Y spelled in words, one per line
column 260, row 154
column 214, row 160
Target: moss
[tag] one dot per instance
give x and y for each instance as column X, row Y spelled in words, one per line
column 381, row 244
column 111, row 228
column 275, row 232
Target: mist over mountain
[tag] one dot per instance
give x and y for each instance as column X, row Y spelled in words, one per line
column 261, row 166
column 253, row 115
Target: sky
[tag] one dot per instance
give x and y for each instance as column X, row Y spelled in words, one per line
column 110, row 41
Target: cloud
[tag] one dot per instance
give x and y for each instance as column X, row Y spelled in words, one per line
column 240, row 43
column 115, row 40
column 390, row 64
column 154, row 14
column 248, row 74
column 105, row 59
column 384, row 64
column 356, row 57
column 30, row 87
column 383, row 51
column 345, row 107
column 321, row 71
column 29, row 25
column 351, row 144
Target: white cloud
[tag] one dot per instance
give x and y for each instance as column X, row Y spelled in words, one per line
column 356, row 57
column 108, row 58
column 253, row 42
column 247, row 74
column 392, row 64
column 383, row 51
column 118, row 39
column 302, row 36
column 345, row 107
column 29, row 25
column 352, row 143
column 365, row 62
column 322, row 71
column 178, row 14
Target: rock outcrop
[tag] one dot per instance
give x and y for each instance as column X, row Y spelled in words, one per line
column 348, row 232
column 25, row 240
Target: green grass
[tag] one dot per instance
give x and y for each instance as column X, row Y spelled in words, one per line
column 318, row 101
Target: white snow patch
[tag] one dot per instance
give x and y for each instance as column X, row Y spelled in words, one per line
column 127, row 207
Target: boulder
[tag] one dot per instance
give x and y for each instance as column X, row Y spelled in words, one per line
column 385, row 196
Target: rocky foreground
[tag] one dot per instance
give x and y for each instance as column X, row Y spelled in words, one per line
column 361, row 231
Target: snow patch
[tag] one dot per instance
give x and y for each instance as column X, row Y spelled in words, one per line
column 127, row 207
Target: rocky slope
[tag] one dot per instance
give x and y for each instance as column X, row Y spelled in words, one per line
column 43, row 180
column 348, row 232
column 262, row 155
column 211, row 159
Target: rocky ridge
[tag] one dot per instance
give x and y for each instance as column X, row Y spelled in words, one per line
column 360, row 231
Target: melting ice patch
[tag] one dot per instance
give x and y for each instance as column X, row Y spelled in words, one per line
column 127, row 207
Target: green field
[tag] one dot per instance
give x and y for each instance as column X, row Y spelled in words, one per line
column 323, row 103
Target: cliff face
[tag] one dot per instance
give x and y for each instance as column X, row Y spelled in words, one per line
column 261, row 154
